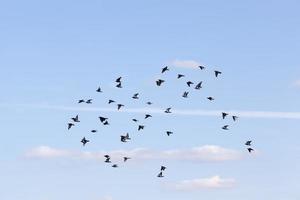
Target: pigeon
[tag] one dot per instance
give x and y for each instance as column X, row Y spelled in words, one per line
column 160, row 175
column 126, row 158
column 141, row 127
column 103, row 119
column 210, row 98
column 248, row 143
column 75, row 119
column 224, row 115
column 136, row 96
column 147, row 116
column 169, row 133
column 149, row 103
column 217, row 73
column 198, row 86
column 165, row 69
column 118, row 80
column 159, row 82
column 189, row 83
column 135, row 120
column 70, row 125
column 201, row 67
column 250, row 149
column 180, row 76
column 234, row 118
column 84, row 141
column 89, row 101
column 225, row 127
column 168, row 110
column 99, row 90
column 119, row 85
column 120, row 106
column 94, row 131
column 81, row 101
column 111, row 101
column 163, row 168
column 185, row 95
column 114, row 165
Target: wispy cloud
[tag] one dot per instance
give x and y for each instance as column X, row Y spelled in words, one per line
column 215, row 182
column 296, row 83
column 206, row 153
column 185, row 63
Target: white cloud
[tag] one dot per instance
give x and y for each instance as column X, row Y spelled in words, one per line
column 185, row 63
column 207, row 153
column 297, row 83
column 215, row 182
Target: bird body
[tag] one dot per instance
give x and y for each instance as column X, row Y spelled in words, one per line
column 224, row 115
column 110, row 101
column 84, row 141
column 89, row 101
column 164, row 69
column 147, row 116
column 198, row 86
column 99, row 90
column 70, row 125
column 185, row 95
column 141, row 127
column 120, row 106
column 201, row 67
column 210, row 98
column 248, row 143
column 75, row 119
column 225, row 127
column 160, row 175
column 169, row 133
column 189, row 83
column 159, row 82
column 250, row 150
column 168, row 110
column 180, row 76
column 136, row 96
column 217, row 73
column 81, row 101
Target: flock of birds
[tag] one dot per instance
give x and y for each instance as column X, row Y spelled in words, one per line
column 126, row 137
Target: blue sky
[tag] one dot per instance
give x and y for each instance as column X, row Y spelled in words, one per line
column 53, row 53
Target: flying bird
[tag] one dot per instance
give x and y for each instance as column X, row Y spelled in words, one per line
column 81, row 101
column 189, row 83
column 141, row 127
column 201, row 67
column 248, row 143
column 224, row 115
column 123, row 138
column 198, row 86
column 94, row 131
column 70, row 125
column 127, row 136
column 160, row 175
column 135, row 96
column 250, row 150
column 120, row 106
column 149, row 103
column 99, row 90
column 147, row 116
column 84, row 141
column 169, row 133
column 75, row 119
column 185, row 95
column 126, row 158
column 103, row 119
column 180, row 76
column 217, row 73
column 163, row 168
column 106, row 123
column 107, row 160
column 119, row 85
column 225, row 127
column 210, row 98
column 168, row 110
column 114, row 165
column 159, row 82
column 234, row 118
column 118, row 80
column 135, row 120
column 165, row 69
column 111, row 101
column 89, row 101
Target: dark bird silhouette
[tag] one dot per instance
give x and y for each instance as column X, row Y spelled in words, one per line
column 159, row 82
column 84, row 141
column 189, row 83
column 141, row 127
column 201, row 67
column 198, row 86
column 120, row 106
column 126, row 158
column 103, row 119
column 217, row 73
column 114, row 165
column 135, row 120
column 168, row 110
column 180, row 76
column 160, row 175
column 149, row 103
column 210, row 98
column 224, row 115
column 107, row 160
column 147, row 116
column 106, row 123
column 169, row 133
column 99, row 90
column 75, row 119
column 135, row 96
column 123, row 138
column 185, row 95
column 119, row 85
column 70, row 125
column 165, row 69
column 111, row 101
column 163, row 168
column 118, row 80
column 234, row 118
column 248, row 143
column 127, row 136
column 81, row 101
column 106, row 156
column 250, row 150
column 225, row 127
column 94, row 131
column 89, row 101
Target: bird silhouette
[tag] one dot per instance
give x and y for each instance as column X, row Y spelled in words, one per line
column 118, row 80
column 135, row 96
column 165, row 69
column 189, row 83
column 106, row 123
column 84, row 141
column 160, row 175
column 119, row 85
column 210, row 98
column 248, row 143
column 81, row 101
column 159, row 82
column 225, row 127
column 127, row 136
column 94, row 131
column 201, row 67
column 141, row 127
column 115, row 166
column 103, row 119
column 107, row 160
column 120, row 106
column 180, row 76
column 75, row 119
column 147, row 116
column 224, row 115
column 89, row 101
column 163, row 168
column 198, row 86
column 70, row 125
column 135, row 120
column 99, row 90
column 126, row 158
column 111, row 101
column 217, row 73
column 169, row 133
column 250, row 150
column 149, row 103
column 234, row 118
column 168, row 110
column 123, row 138
column 185, row 95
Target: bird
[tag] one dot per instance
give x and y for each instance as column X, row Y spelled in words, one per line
column 120, row 106
column 147, row 116
column 119, row 85
column 160, row 175
column 114, row 165
column 169, row 133
column 99, row 90
column 84, row 141
column 127, row 136
column 141, row 127
column 210, row 98
column 70, row 125
column 135, row 96
column 163, row 168
column 168, row 110
column 81, row 101
column 250, row 149
column 159, row 82
column 189, row 83
column 106, row 123
column 234, row 117
column 217, row 73
column 111, row 101
column 94, row 131
column 149, row 103
column 224, row 115
column 135, row 120
column 225, row 127
column 198, row 86
column 165, row 69
column 103, row 119
column 107, row 160
column 118, row 80
column 180, row 76
column 126, row 158
column 123, row 138
column 106, row 156
column 185, row 94
column 201, row 67
column 248, row 143
column 89, row 101
column 75, row 119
